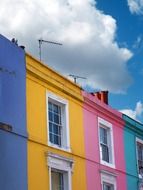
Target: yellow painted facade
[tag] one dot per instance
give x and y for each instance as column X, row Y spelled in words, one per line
column 41, row 79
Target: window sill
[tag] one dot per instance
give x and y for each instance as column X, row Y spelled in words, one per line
column 107, row 164
column 58, row 147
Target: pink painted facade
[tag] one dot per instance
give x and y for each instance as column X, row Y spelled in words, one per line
column 92, row 110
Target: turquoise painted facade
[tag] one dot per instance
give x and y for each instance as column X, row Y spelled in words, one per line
column 132, row 131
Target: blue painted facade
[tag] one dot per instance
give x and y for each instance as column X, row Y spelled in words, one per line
column 133, row 130
column 13, row 143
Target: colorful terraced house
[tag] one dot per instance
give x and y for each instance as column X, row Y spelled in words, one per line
column 55, row 136
column 56, row 154
column 133, row 140
column 104, row 144
column 13, row 133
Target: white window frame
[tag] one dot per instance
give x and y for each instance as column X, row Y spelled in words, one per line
column 63, row 165
column 105, row 124
column 109, row 178
column 65, row 141
column 141, row 142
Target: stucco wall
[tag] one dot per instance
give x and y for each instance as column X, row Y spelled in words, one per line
column 40, row 81
column 132, row 130
column 13, row 148
column 93, row 109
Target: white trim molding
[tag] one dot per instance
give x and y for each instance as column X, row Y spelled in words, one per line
column 65, row 138
column 62, row 164
column 108, row 173
column 107, row 125
column 59, row 162
column 139, row 140
column 108, row 178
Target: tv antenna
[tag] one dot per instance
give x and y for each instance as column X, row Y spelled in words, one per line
column 45, row 41
column 75, row 77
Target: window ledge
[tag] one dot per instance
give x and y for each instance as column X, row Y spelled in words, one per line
column 107, row 164
column 66, row 149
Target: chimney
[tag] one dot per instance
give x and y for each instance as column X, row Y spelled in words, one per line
column 103, row 96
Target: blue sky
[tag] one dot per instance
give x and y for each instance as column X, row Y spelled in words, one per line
column 129, row 34
column 102, row 41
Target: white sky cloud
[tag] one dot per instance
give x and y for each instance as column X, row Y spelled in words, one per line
column 88, row 36
column 135, row 114
column 138, row 43
column 136, row 6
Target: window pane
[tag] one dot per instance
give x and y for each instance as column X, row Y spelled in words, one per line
column 56, row 118
column 57, row 180
column 105, row 152
column 55, row 123
column 50, row 116
column 105, row 144
column 107, row 186
column 50, row 127
column 140, row 151
column 51, row 138
column 55, row 129
column 55, row 134
column 56, row 139
column 140, row 157
column 103, row 135
column 59, row 140
column 50, row 106
column 59, row 111
column 55, row 108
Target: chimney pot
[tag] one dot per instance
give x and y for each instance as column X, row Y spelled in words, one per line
column 103, row 96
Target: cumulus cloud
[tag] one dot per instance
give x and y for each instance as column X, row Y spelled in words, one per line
column 87, row 34
column 135, row 114
column 135, row 6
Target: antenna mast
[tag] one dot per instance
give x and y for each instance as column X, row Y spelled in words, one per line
column 75, row 77
column 45, row 41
